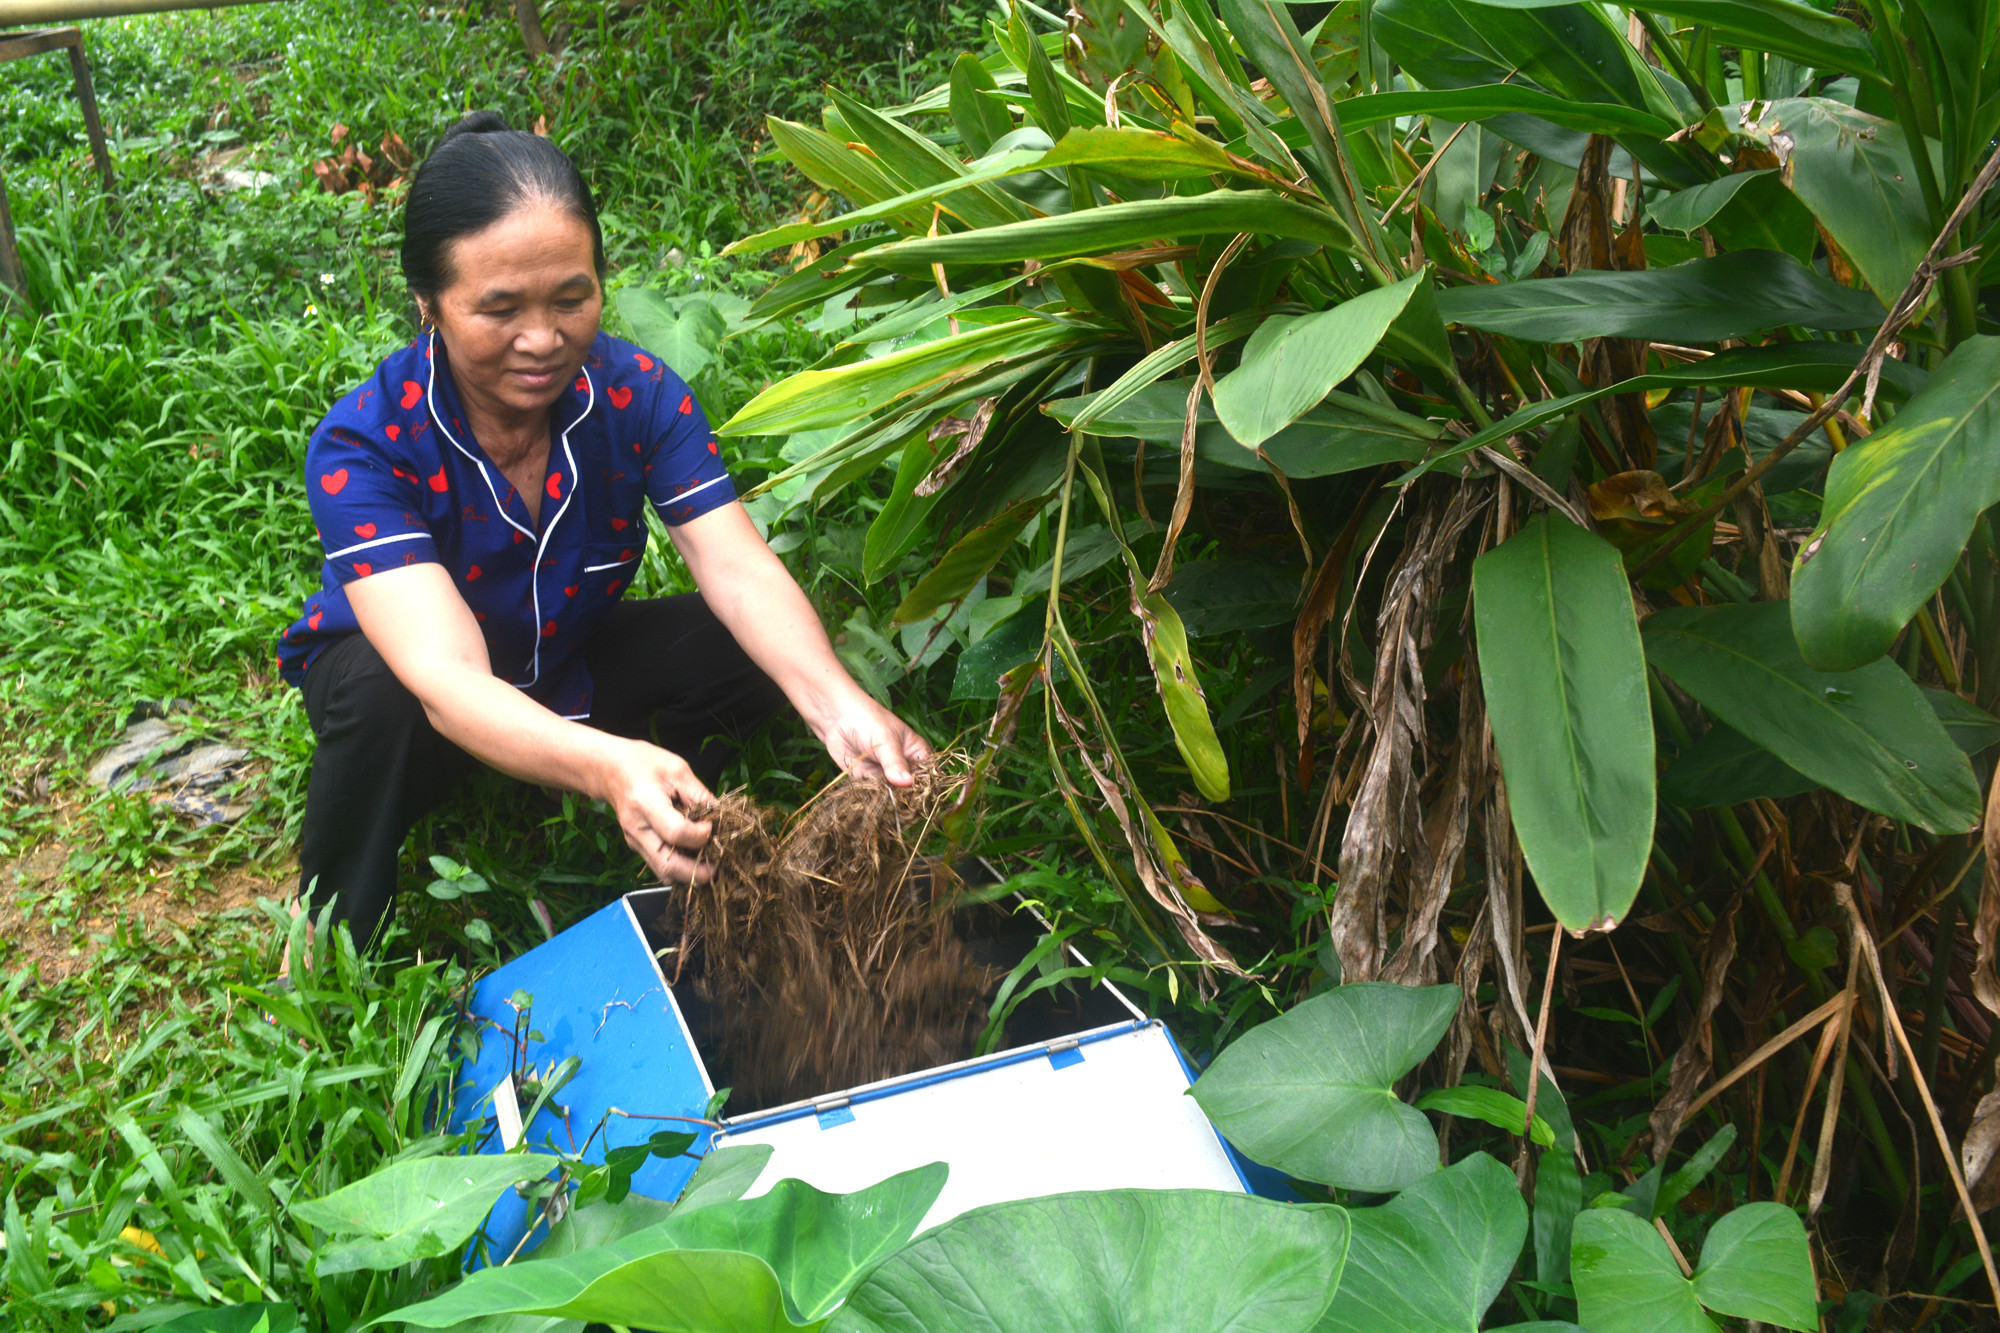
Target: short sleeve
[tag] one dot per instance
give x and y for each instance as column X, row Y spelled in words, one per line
column 685, row 477
column 364, row 506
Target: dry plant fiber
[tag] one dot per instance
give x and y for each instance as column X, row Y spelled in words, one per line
column 822, row 948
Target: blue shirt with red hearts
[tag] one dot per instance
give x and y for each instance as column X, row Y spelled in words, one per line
column 396, row 478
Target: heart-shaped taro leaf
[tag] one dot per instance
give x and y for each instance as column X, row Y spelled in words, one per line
column 1111, row 1261
column 780, row 1259
column 1434, row 1257
column 1754, row 1265
column 1312, row 1091
column 416, row 1209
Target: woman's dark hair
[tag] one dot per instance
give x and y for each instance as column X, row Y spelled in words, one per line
column 481, row 172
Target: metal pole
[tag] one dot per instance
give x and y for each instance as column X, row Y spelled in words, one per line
column 19, row 12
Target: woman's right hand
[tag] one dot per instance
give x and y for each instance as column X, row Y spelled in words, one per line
column 649, row 788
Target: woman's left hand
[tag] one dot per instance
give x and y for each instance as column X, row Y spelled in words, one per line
column 869, row 741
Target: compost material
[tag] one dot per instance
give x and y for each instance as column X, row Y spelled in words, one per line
column 823, row 948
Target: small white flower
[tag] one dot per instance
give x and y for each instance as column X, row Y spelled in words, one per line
column 312, row 310
column 326, row 279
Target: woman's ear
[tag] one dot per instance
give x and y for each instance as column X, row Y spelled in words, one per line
column 423, row 311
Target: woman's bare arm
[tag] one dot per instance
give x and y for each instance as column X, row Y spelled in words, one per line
column 756, row 598
column 416, row 619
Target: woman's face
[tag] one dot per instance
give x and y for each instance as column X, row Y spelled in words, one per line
column 522, row 308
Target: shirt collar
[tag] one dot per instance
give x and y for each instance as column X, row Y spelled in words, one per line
column 448, row 411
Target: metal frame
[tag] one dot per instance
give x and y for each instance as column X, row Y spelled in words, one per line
column 34, row 42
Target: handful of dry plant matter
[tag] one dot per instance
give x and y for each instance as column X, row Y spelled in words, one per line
column 822, row 948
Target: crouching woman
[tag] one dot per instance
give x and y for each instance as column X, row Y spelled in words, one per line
column 481, row 501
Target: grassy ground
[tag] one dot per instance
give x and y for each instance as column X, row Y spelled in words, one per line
column 154, row 540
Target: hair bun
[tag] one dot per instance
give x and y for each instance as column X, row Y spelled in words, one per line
column 478, row 122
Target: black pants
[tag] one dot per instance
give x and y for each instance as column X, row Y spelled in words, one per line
column 666, row 664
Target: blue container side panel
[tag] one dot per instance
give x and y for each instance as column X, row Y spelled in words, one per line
column 598, row 995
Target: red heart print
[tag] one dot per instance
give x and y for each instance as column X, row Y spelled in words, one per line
column 517, row 539
column 472, row 575
column 569, row 592
column 364, row 530
column 624, row 555
column 312, row 621
column 412, row 391
column 398, row 472
column 582, row 384
column 438, row 483
column 645, row 362
column 687, row 404
column 712, row 449
column 333, row 481
column 619, row 524
column 555, row 485
column 616, row 584
column 620, row 396
column 549, row 630
column 392, row 430
column 363, row 571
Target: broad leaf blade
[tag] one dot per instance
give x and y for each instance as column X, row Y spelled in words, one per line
column 1312, row 1092
column 815, row 398
column 1867, row 734
column 1705, row 300
column 1755, row 1264
column 417, row 1209
column 1725, row 767
column 1564, row 677
column 1626, row 1281
column 1434, row 1257
column 1481, row 101
column 1900, row 506
column 1855, row 172
column 1166, row 1261
column 1120, row 226
column 1283, row 375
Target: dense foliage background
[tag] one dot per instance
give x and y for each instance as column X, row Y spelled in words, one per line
column 1278, row 420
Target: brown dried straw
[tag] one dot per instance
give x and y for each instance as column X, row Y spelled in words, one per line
column 823, row 947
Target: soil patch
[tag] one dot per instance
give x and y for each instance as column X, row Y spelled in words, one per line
column 59, row 944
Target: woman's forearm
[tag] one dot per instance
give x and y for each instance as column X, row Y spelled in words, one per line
column 757, row 600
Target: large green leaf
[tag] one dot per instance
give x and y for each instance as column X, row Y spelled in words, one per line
column 1434, row 1257
column 724, row 1175
column 1855, row 173
column 683, row 331
column 1751, row 210
column 816, row 398
column 979, row 118
column 417, row 1209
column 1291, row 363
column 666, row 1291
column 1867, row 734
column 1141, row 154
column 833, row 165
column 1705, row 300
column 1900, row 506
column 1312, row 1091
column 953, row 576
column 1754, row 1265
column 1564, row 676
column 1570, row 50
column 1114, row 1261
column 783, row 1258
column 1782, row 27
column 1344, row 433
column 1118, row 226
column 1492, row 99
